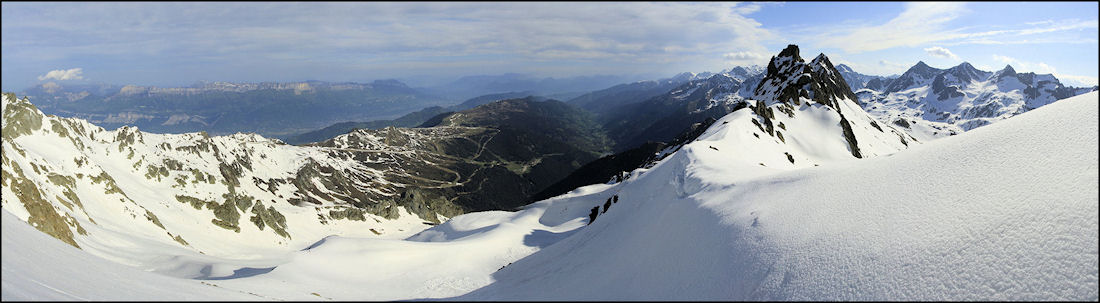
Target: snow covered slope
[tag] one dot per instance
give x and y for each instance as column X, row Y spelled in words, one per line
column 181, row 203
column 932, row 103
column 1005, row 212
column 37, row 267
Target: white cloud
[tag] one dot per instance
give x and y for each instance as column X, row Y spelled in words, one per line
column 925, row 23
column 881, row 67
column 919, row 24
column 1040, row 22
column 743, row 55
column 941, row 52
column 1079, row 81
column 518, row 33
column 1005, row 59
column 747, row 8
column 745, row 58
column 67, row 74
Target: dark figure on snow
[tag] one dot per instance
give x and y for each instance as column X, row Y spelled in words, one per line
column 606, row 205
column 593, row 214
column 616, row 199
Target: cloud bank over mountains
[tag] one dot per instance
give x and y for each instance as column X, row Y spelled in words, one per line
column 180, row 43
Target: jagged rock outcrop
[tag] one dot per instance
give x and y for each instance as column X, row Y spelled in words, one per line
column 790, row 80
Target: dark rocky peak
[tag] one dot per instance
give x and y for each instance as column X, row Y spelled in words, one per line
column 822, row 64
column 789, row 78
column 785, row 58
column 830, row 79
column 791, row 51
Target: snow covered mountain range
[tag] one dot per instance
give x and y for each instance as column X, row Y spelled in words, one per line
column 932, row 103
column 793, row 190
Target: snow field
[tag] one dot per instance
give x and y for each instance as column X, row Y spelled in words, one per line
column 1007, row 211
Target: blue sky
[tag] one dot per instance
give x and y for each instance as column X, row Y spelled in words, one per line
column 176, row 44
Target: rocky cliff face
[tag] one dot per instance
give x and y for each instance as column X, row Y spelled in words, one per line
column 790, row 78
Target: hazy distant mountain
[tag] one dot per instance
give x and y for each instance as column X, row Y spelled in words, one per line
column 857, row 81
column 267, row 108
column 408, row 120
column 632, row 122
column 601, row 102
column 471, row 86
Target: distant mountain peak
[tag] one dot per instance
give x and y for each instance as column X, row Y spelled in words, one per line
column 915, row 75
column 921, row 69
column 966, row 72
column 1008, row 70
column 964, row 67
column 844, row 68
